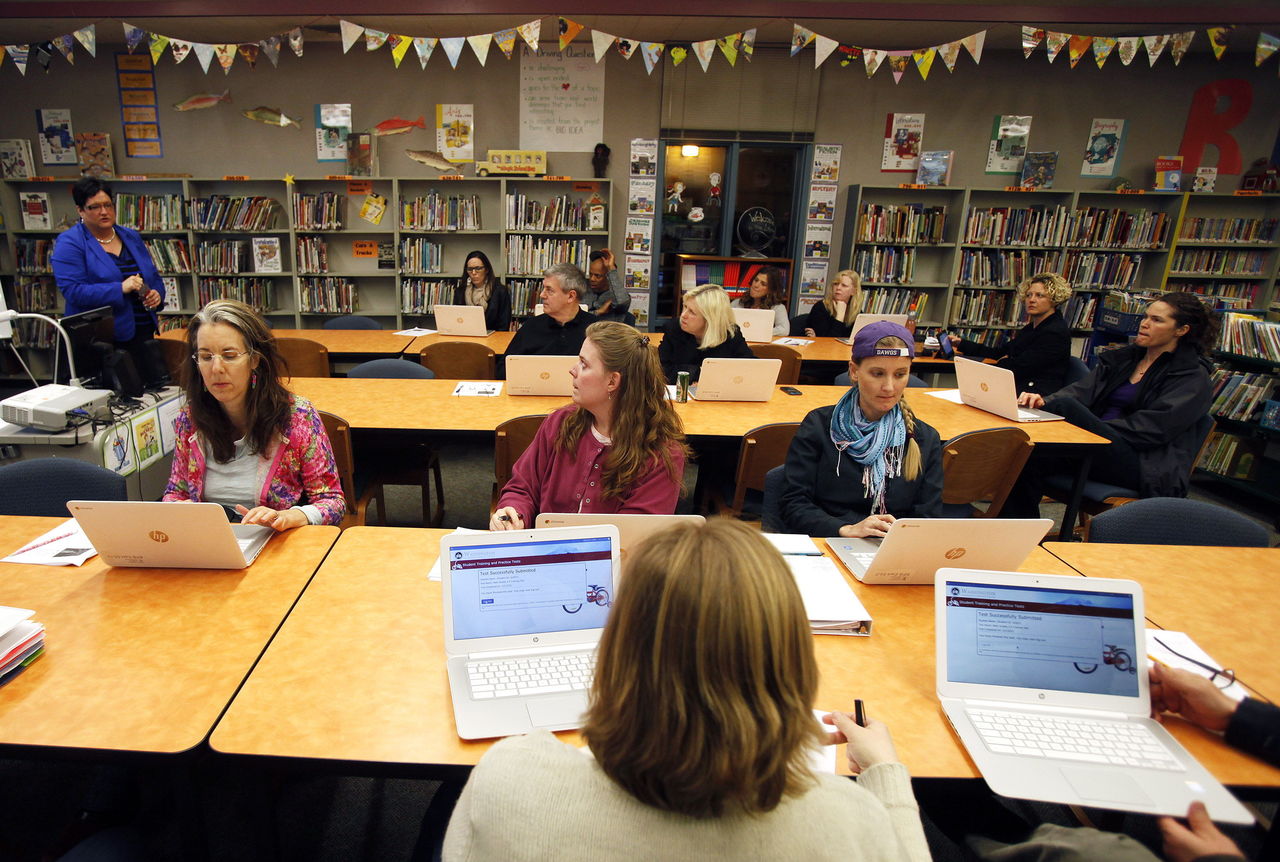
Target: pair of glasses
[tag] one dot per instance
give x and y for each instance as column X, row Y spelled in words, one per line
column 1220, row 677
column 93, row 208
column 228, row 357
column 475, row 269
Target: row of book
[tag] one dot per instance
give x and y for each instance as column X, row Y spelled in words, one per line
column 329, row 295
column 1221, row 295
column 894, row 300
column 1239, row 395
column 33, row 255
column 1232, row 456
column 1079, row 310
column 323, row 211
column 312, row 254
column 1126, row 303
column 992, row 268
column 34, row 333
column 256, row 292
column 1229, row 229
column 986, row 308
column 531, row 255
column 1247, row 335
column 1115, row 228
column 35, row 294
column 223, row 212
column 1218, row 261
column 420, row 256
column 988, row 337
column 913, row 223
column 227, row 256
column 558, row 214
column 438, row 212
column 169, row 255
column 524, row 295
column 1035, row 225
column 885, row 263
column 1093, row 270
column 420, row 295
column 150, row 212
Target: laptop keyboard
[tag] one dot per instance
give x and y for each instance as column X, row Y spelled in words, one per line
column 545, row 674
column 1119, row 743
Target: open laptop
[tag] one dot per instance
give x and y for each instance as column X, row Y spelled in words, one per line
column 1044, row 679
column 523, row 612
column 461, row 320
column 756, row 323
column 168, row 535
column 915, row 548
column 632, row 529
column 736, row 380
column 867, row 319
column 991, row 388
column 539, row 375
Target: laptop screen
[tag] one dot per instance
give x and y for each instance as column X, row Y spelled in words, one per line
column 532, row 587
column 1043, row 638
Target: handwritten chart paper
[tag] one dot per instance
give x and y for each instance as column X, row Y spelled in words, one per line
column 561, row 100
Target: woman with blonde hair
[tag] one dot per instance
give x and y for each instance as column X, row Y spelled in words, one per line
column 856, row 466
column 704, row 329
column 1039, row 354
column 700, row 732
column 834, row 316
column 618, row 448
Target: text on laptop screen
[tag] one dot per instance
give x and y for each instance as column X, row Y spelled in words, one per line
column 532, row 587
column 1037, row 637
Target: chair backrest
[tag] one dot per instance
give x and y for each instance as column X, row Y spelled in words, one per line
column 1076, row 370
column 42, row 486
column 1176, row 521
column 351, row 321
column 913, row 382
column 176, row 354
column 771, row 510
column 304, row 357
column 339, row 431
column 983, row 465
column 789, row 372
column 762, row 449
column 459, row 360
column 510, row 439
column 798, row 323
column 399, row 369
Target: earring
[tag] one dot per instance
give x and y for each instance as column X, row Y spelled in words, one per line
column 253, row 380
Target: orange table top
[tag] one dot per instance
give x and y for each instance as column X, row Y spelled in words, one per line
column 349, row 341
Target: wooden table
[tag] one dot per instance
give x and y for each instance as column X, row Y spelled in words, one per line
column 142, row 660
column 496, row 341
column 372, row 343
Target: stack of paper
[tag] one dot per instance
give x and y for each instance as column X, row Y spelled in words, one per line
column 64, row 545
column 21, row 641
column 830, row 604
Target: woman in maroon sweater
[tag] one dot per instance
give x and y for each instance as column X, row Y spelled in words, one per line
column 618, row 448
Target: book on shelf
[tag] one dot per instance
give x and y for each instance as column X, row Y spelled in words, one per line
column 93, row 150
column 935, row 168
column 266, row 254
column 1249, row 336
column 912, row 223
column 386, row 254
column 1039, row 170
column 1168, row 173
column 1206, row 180
column 1270, row 416
column 1241, row 230
column 1238, row 395
column 436, row 212
column 16, row 162
column 35, row 211
column 1233, row 456
column 328, row 295
column 172, row 297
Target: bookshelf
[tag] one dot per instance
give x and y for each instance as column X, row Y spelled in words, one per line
column 1225, row 248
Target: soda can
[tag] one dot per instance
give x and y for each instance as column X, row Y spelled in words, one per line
column 682, row 386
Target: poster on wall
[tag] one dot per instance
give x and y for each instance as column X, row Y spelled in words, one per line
column 117, row 450
column 57, row 140
column 903, row 139
column 561, row 99
column 638, row 236
column 826, row 163
column 333, row 124
column 456, row 132
column 1102, row 151
column 822, row 202
column 1009, row 136
column 817, row 240
column 167, row 415
column 813, row 282
column 146, row 438
column 139, row 107
column 644, row 157
column 636, row 273
column 641, row 195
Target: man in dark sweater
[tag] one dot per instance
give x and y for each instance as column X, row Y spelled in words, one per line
column 562, row 326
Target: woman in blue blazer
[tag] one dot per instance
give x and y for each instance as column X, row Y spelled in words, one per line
column 97, row 262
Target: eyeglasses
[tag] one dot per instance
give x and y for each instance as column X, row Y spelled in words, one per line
column 228, row 357
column 93, row 208
column 1220, row 677
column 476, row 269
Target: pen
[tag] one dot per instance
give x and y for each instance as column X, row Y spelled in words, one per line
column 506, row 518
column 859, row 713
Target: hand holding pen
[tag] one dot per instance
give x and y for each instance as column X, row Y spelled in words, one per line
column 867, row 740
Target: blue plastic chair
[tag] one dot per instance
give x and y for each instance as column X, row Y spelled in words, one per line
column 352, row 321
column 398, row 369
column 1076, row 370
column 42, row 486
column 1176, row 521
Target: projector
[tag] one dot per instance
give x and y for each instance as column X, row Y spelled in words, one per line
column 46, row 407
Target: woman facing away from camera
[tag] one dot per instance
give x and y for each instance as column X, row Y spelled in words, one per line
column 704, row 330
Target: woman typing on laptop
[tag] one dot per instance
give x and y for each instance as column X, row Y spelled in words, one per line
column 618, row 448
column 704, row 329
column 856, row 466
column 701, row 732
column 243, row 440
column 479, row 286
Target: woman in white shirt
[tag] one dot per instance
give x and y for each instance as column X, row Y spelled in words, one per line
column 768, row 291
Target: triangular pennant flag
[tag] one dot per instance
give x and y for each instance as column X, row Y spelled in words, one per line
column 350, row 33
column 704, row 51
column 374, row 39
column 271, row 47
column 44, row 54
column 568, row 31
column 158, row 44
column 1178, row 45
column 949, row 53
column 226, row 55
column 295, row 40
column 1102, row 48
column 480, row 44
column 1267, row 45
column 1218, row 39
column 66, row 46
column 800, row 38
column 19, row 55
column 627, row 47
column 506, row 40
column 424, row 45
column 204, row 53
column 88, row 38
column 249, row 51
column 677, row 54
column 1078, row 47
column 1053, row 43
column 898, row 63
column 132, row 35
column 652, row 54
column 729, row 47
column 924, row 60
column 748, row 43
column 1155, row 44
column 399, row 47
column 530, row 33
column 848, row 53
column 974, row 43
column 453, row 49
column 873, row 58
column 602, row 42
column 822, row 48
column 1127, row 48
column 179, row 49
column 1031, row 38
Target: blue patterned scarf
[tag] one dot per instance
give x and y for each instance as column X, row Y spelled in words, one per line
column 877, row 446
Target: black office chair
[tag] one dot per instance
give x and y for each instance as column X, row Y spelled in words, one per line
column 1176, row 521
column 351, row 321
column 842, row 379
column 1076, row 370
column 42, row 486
column 771, row 510
column 399, row 369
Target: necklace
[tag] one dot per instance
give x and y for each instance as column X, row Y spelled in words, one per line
column 109, row 239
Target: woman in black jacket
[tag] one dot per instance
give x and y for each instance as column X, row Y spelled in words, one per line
column 479, row 286
column 1037, row 355
column 704, row 329
column 1145, row 397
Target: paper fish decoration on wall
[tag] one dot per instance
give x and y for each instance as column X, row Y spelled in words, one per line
column 397, row 126
column 271, row 116
column 432, row 159
column 200, row 101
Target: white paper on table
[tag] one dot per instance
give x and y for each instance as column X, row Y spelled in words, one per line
column 952, row 395
column 478, row 387
column 10, row 617
column 793, row 543
column 824, row 759
column 793, row 342
column 417, row 330
column 434, row 574
column 64, row 545
column 829, row 602
column 1182, row 642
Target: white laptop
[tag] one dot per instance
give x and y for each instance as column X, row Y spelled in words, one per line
column 168, row 535
column 1044, row 679
column 915, row 548
column 736, row 380
column 992, row 388
column 756, row 323
column 523, row 612
column 461, row 320
column 539, row 375
column 632, row 529
column 867, row 319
